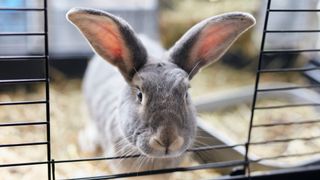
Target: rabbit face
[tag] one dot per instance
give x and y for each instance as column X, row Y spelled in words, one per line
column 155, row 111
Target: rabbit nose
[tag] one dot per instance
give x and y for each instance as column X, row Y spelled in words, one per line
column 167, row 145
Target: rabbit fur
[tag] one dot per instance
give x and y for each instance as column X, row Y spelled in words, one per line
column 137, row 93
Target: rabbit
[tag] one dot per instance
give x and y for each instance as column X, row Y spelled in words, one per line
column 138, row 101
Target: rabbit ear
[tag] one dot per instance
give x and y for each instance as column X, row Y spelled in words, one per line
column 112, row 38
column 205, row 42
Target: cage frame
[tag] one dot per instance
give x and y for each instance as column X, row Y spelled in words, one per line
column 309, row 172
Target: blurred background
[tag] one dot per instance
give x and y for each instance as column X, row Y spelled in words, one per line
column 228, row 84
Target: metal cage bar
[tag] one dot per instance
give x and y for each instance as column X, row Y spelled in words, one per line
column 254, row 100
column 163, row 171
column 47, row 88
column 258, row 90
column 43, row 58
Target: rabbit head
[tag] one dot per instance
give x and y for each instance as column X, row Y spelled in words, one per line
column 155, row 112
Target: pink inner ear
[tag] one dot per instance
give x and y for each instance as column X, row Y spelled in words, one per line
column 212, row 40
column 110, row 40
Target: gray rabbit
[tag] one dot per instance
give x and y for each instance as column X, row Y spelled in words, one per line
column 141, row 104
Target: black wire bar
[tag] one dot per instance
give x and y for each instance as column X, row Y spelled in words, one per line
column 235, row 163
column 22, row 103
column 97, row 159
column 21, row 9
column 255, row 94
column 23, row 144
column 289, row 51
column 280, row 70
column 286, row 70
column 214, row 147
column 34, row 57
column 196, row 149
column 46, row 68
column 23, row 164
column 23, row 124
column 285, row 140
column 288, row 88
column 18, row 81
column 288, row 106
column 212, row 165
column 293, row 10
column 22, row 34
column 287, row 156
column 292, row 173
column 45, row 59
column 162, row 171
column 293, row 31
column 287, row 123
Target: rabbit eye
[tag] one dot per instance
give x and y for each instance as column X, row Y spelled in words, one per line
column 186, row 95
column 139, row 96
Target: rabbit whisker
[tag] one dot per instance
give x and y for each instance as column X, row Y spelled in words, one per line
column 125, row 151
column 137, row 73
column 142, row 163
column 203, row 137
column 123, row 159
column 122, row 142
column 193, row 68
column 152, row 163
column 135, row 164
column 197, row 142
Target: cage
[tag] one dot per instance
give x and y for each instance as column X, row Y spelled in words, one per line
column 233, row 158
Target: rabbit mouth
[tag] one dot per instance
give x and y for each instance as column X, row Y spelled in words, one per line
column 160, row 154
column 159, row 151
